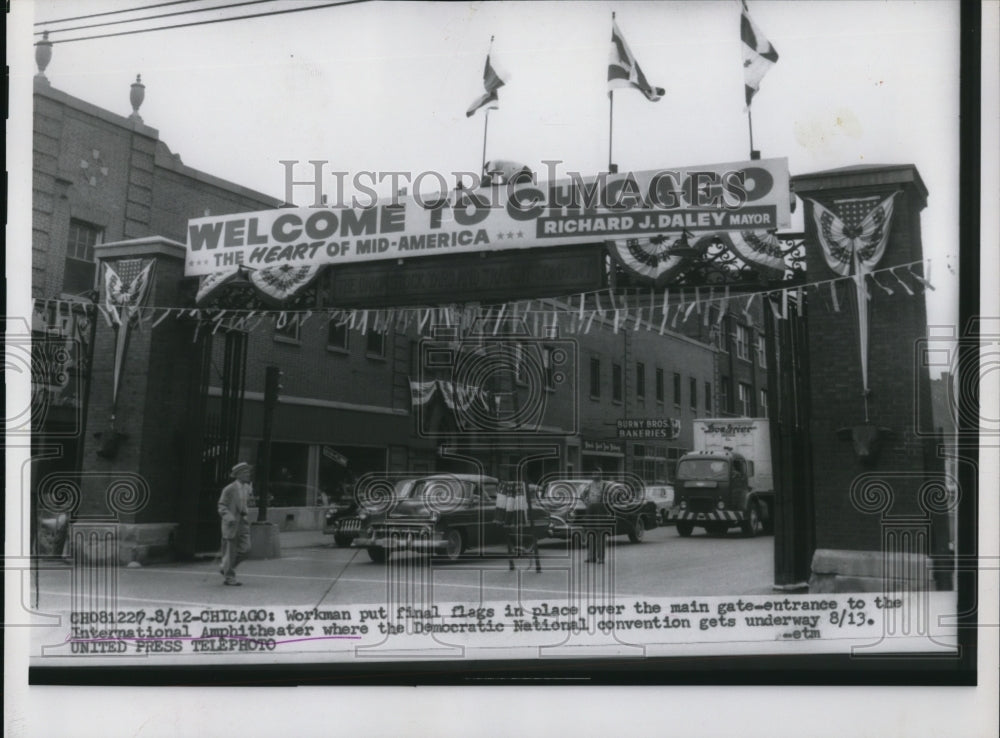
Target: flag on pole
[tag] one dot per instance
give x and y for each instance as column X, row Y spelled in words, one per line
column 624, row 71
column 758, row 54
column 492, row 82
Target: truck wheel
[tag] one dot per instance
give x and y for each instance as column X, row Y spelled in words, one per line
column 343, row 541
column 638, row 531
column 752, row 524
column 769, row 520
column 684, row 528
column 454, row 543
column 378, row 554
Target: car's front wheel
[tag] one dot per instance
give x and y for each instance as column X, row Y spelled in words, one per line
column 342, row 540
column 638, row 531
column 684, row 529
column 378, row 554
column 454, row 543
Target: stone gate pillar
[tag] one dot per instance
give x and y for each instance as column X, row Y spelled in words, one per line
column 871, row 466
column 136, row 445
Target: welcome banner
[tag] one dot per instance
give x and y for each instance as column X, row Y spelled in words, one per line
column 740, row 196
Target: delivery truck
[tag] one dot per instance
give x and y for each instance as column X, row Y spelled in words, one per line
column 727, row 480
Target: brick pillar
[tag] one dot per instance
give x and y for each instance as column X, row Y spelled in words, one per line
column 851, row 535
column 138, row 484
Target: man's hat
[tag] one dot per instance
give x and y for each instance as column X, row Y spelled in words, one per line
column 239, row 467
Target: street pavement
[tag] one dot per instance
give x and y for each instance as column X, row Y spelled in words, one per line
column 313, row 572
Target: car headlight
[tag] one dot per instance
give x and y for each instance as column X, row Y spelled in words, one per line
column 684, row 504
column 370, row 532
column 721, row 505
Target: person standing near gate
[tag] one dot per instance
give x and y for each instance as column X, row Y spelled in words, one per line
column 235, row 527
column 598, row 520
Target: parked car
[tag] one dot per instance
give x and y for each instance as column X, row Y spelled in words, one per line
column 443, row 514
column 345, row 518
column 564, row 500
column 662, row 496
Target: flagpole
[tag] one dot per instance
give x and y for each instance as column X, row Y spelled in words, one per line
column 611, row 128
column 750, row 124
column 486, row 127
column 486, row 123
column 611, row 109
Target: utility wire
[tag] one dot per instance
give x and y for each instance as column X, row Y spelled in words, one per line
column 152, row 17
column 114, row 12
column 208, row 22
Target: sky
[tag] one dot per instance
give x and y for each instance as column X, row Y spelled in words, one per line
column 384, row 87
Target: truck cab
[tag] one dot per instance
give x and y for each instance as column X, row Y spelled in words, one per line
column 712, row 490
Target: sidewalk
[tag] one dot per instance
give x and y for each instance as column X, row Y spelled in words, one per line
column 288, row 540
column 303, row 539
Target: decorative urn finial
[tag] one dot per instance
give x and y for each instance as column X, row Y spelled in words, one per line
column 43, row 54
column 136, row 96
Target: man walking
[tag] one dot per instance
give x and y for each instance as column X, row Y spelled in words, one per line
column 235, row 528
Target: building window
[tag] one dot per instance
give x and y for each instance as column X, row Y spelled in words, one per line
column 287, row 330
column 725, row 393
column 376, row 344
column 761, row 352
column 80, row 269
column 677, row 389
column 673, row 456
column 746, row 400
column 595, row 377
column 616, row 382
column 659, row 385
column 640, row 380
column 337, row 336
column 693, row 386
column 708, row 397
column 763, row 403
column 742, row 342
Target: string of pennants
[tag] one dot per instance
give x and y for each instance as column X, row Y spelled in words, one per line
column 572, row 314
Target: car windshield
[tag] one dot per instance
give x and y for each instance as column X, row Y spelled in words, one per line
column 426, row 489
column 403, row 488
column 561, row 488
column 717, row 469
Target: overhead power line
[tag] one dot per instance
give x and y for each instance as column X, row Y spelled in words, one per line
column 153, row 17
column 296, row 9
column 114, row 12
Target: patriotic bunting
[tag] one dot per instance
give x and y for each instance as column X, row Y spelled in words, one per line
column 858, row 234
column 759, row 248
column 648, row 258
column 853, row 241
column 126, row 287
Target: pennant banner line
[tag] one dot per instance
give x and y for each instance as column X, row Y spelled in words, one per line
column 582, row 314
